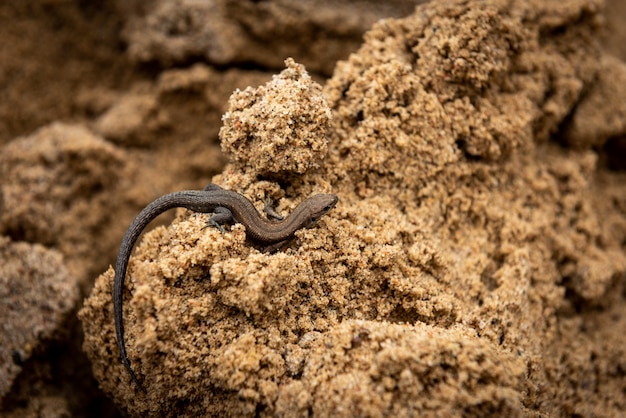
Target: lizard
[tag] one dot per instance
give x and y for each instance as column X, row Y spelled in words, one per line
column 226, row 206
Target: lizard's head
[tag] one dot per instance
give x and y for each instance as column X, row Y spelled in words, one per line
column 319, row 205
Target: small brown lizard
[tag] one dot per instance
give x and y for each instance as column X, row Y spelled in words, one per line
column 226, row 206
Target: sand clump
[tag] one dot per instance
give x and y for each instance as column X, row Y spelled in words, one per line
column 472, row 266
column 279, row 128
column 38, row 295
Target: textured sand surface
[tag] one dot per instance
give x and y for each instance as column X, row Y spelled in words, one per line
column 474, row 266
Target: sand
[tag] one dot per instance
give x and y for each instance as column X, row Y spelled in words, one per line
column 474, row 265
